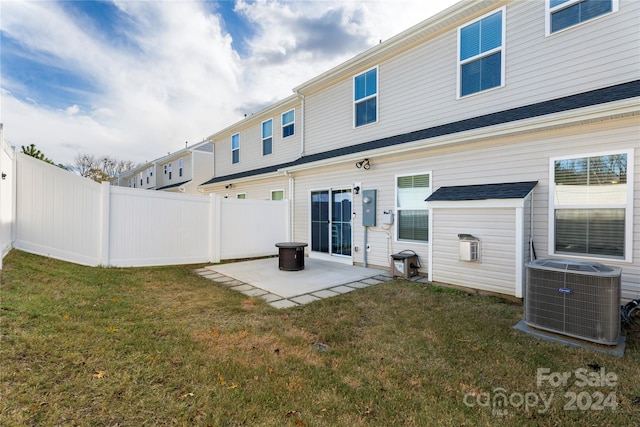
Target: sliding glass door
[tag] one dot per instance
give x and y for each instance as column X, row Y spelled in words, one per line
column 331, row 212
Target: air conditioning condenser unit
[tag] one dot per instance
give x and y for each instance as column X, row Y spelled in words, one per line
column 574, row 298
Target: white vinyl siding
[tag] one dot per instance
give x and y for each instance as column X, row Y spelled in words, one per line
column 563, row 14
column 496, row 229
column 523, row 157
column 419, row 85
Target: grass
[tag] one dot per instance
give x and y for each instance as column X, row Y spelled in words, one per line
column 162, row 346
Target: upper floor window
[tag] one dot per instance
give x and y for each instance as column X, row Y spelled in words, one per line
column 288, row 123
column 165, row 169
column 267, row 137
column 180, row 166
column 413, row 215
column 563, row 14
column 365, row 97
column 591, row 204
column 235, row 148
column 480, row 54
column 170, row 170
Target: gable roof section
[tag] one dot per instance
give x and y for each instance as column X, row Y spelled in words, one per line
column 594, row 97
column 510, row 190
column 177, row 184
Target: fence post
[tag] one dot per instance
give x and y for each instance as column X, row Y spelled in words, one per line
column 214, row 228
column 104, row 224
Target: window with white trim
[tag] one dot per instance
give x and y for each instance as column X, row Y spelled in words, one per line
column 288, row 123
column 235, row 148
column 563, row 14
column 413, row 215
column 590, row 199
column 165, row 169
column 241, row 195
column 180, row 166
column 277, row 195
column 365, row 97
column 481, row 54
column 267, row 137
column 170, row 170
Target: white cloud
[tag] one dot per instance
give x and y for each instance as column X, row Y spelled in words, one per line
column 180, row 78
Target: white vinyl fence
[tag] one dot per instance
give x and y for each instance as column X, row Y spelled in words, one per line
column 7, row 176
column 62, row 215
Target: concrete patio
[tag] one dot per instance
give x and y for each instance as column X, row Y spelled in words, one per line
column 282, row 289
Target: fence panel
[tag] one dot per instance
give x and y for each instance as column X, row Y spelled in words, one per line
column 65, row 216
column 7, row 179
column 251, row 228
column 57, row 212
column 157, row 228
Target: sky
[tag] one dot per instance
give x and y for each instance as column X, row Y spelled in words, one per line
column 135, row 80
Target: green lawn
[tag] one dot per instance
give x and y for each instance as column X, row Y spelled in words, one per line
column 87, row 346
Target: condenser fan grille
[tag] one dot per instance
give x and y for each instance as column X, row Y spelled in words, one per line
column 581, row 302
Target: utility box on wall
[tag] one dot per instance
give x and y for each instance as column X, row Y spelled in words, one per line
column 469, row 248
column 369, row 200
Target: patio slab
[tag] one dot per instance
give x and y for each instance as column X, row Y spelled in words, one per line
column 316, row 276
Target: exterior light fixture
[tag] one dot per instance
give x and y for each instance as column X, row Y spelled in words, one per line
column 363, row 164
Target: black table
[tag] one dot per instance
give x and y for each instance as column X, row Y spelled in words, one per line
column 291, row 255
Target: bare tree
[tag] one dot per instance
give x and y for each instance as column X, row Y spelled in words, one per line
column 100, row 169
column 85, row 163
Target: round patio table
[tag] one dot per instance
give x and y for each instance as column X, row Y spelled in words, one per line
column 291, row 255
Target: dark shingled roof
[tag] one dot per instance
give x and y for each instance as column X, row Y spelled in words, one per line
column 594, row 97
column 509, row 190
column 177, row 184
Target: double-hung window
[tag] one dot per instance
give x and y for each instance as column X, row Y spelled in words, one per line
column 563, row 14
column 288, row 123
column 170, row 170
column 235, row 148
column 413, row 214
column 481, row 54
column 365, row 97
column 180, row 166
column 591, row 205
column 267, row 137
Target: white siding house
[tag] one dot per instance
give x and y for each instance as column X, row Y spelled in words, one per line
column 482, row 97
column 181, row 171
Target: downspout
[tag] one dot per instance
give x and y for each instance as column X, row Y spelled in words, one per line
column 365, row 247
column 302, row 99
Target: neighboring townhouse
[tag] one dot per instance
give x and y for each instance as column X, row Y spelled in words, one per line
column 248, row 153
column 180, row 171
column 510, row 125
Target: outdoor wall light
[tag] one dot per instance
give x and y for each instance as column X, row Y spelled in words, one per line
column 4, row 175
column 363, row 164
column 356, row 190
column 228, row 186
